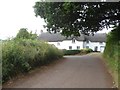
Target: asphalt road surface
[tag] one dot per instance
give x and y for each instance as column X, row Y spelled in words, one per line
column 87, row 71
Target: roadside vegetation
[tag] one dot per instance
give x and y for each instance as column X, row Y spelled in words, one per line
column 112, row 53
column 0, row 63
column 24, row 53
column 85, row 51
column 78, row 52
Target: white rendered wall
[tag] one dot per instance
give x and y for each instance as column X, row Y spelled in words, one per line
column 66, row 43
column 99, row 45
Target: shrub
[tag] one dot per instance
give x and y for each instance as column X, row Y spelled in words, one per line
column 24, row 34
column 86, row 51
column 112, row 51
column 21, row 55
column 71, row 52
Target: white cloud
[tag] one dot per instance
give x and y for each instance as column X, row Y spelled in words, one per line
column 16, row 14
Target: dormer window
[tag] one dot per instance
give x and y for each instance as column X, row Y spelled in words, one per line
column 87, row 42
column 100, row 42
column 73, row 40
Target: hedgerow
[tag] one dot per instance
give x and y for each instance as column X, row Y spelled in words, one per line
column 112, row 52
column 86, row 51
column 71, row 52
column 81, row 51
column 22, row 55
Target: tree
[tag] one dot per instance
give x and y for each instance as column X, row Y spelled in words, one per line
column 24, row 34
column 33, row 36
column 75, row 17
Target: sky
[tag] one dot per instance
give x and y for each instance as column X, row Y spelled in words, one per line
column 16, row 14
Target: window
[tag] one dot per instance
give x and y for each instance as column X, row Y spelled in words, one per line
column 78, row 47
column 100, row 42
column 58, row 44
column 87, row 46
column 87, row 42
column 73, row 40
column 70, row 47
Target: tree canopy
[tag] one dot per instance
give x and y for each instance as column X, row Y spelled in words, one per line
column 75, row 17
column 24, row 34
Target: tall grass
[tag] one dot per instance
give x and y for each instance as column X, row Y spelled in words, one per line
column 21, row 55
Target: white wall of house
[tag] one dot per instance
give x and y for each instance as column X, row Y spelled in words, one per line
column 69, row 45
column 66, row 44
column 76, row 45
column 99, row 46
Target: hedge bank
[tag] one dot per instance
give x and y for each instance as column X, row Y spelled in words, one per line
column 20, row 56
column 112, row 53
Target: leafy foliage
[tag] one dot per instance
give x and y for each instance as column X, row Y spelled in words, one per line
column 74, row 52
column 24, row 34
column 71, row 52
column 112, row 51
column 73, row 17
column 21, row 55
column 86, row 51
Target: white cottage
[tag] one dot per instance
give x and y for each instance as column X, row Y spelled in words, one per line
column 96, row 42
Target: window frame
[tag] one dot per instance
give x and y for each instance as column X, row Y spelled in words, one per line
column 70, row 47
column 78, row 47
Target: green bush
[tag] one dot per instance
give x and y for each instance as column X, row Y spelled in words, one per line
column 86, row 51
column 112, row 51
column 21, row 55
column 71, row 52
